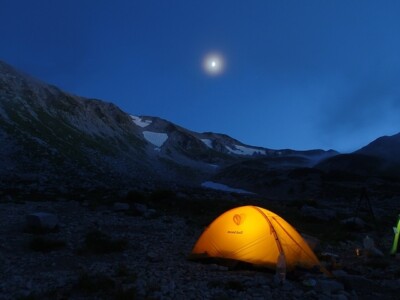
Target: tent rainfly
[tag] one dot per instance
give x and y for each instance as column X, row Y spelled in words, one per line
column 254, row 235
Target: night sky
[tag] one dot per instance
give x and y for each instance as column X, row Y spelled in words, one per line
column 297, row 74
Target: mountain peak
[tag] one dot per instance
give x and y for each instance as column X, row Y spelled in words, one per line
column 386, row 147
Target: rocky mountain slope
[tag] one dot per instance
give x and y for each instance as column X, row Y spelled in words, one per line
column 380, row 158
column 385, row 147
column 54, row 139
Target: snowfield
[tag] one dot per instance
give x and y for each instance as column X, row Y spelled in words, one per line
column 242, row 150
column 223, row 187
column 207, row 142
column 155, row 138
column 139, row 122
column 214, row 166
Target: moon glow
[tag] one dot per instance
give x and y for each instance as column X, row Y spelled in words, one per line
column 213, row 64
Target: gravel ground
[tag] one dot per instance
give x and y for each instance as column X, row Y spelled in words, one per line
column 151, row 262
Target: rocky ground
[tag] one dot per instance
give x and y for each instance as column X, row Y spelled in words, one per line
column 112, row 251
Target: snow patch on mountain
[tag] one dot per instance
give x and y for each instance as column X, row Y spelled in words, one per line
column 242, row 150
column 223, row 187
column 155, row 138
column 207, row 142
column 140, row 122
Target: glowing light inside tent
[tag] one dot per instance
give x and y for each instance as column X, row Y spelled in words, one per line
column 213, row 64
column 254, row 235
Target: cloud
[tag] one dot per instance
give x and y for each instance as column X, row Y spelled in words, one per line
column 365, row 104
column 363, row 110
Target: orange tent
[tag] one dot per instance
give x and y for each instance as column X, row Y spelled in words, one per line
column 254, row 235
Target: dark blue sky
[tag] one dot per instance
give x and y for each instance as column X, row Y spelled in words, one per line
column 299, row 74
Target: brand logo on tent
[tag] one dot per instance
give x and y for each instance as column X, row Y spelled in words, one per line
column 238, row 219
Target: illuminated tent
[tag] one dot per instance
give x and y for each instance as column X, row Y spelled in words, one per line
column 254, row 235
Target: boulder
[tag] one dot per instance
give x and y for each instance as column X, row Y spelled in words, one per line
column 144, row 211
column 41, row 221
column 141, row 208
column 312, row 241
column 357, row 282
column 154, row 257
column 373, row 252
column 370, row 249
column 392, row 284
column 354, row 222
column 329, row 286
column 121, row 206
column 309, row 282
column 318, row 214
column 339, row 273
column 215, row 267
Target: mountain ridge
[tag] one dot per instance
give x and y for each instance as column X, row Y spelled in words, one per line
column 56, row 138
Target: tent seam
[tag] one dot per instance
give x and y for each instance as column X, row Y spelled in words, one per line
column 277, row 241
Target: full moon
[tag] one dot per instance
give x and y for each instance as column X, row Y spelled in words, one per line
column 213, row 64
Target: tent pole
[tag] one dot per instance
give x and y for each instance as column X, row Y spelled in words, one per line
column 277, row 241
